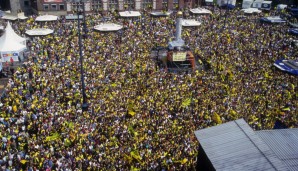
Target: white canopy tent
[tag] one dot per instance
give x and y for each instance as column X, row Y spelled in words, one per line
column 130, row 14
column 9, row 17
column 39, row 32
column 10, row 48
column 108, row 27
column 11, row 45
column 190, row 23
column 161, row 14
column 12, row 35
column 200, row 11
column 251, row 10
column 46, row 18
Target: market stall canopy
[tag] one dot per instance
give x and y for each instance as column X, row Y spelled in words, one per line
column 290, row 66
column 190, row 23
column 293, row 31
column 39, row 32
column 108, row 27
column 1, row 27
column 272, row 19
column 251, row 10
column 200, row 11
column 46, row 18
column 12, row 35
column 130, row 14
column 9, row 17
column 161, row 14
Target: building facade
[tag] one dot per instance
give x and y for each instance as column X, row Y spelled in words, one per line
column 63, row 7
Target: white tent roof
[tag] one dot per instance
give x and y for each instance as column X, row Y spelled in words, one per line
column 7, row 44
column 12, row 35
column 108, row 27
column 200, row 11
column 46, row 18
column 130, row 14
column 161, row 13
column 39, row 32
column 251, row 10
column 190, row 23
column 9, row 17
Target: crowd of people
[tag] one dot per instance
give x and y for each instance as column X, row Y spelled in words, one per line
column 140, row 117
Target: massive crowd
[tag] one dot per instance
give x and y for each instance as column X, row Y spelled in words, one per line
column 140, row 118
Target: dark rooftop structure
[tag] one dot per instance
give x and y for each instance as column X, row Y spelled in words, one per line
column 235, row 146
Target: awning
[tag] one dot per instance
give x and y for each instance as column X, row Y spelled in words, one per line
column 200, row 11
column 130, row 14
column 190, row 23
column 46, row 18
column 108, row 27
column 39, row 32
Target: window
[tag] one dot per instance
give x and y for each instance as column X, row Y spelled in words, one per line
column 113, row 4
column 54, row 7
column 26, row 3
column 46, row 7
column 176, row 4
column 129, row 4
column 76, row 6
column 97, row 5
column 165, row 4
column 147, row 4
column 61, row 7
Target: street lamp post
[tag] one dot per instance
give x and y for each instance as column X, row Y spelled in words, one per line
column 85, row 105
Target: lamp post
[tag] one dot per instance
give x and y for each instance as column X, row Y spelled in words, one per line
column 85, row 105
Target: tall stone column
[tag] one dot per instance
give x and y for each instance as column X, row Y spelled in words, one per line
column 15, row 6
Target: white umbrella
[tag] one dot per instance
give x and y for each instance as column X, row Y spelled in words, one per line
column 108, row 27
column 46, row 18
column 190, row 23
column 130, row 14
column 39, row 32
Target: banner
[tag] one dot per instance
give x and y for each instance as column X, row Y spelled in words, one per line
column 179, row 56
column 5, row 56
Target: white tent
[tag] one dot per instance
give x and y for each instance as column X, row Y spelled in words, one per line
column 39, row 32
column 9, row 17
column 46, row 18
column 190, row 23
column 130, row 14
column 10, row 48
column 200, row 11
column 11, row 45
column 251, row 10
column 247, row 4
column 12, row 35
column 108, row 27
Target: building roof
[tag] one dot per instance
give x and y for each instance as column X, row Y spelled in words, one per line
column 284, row 143
column 235, row 146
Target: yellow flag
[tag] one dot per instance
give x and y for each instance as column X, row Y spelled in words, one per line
column 216, row 118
